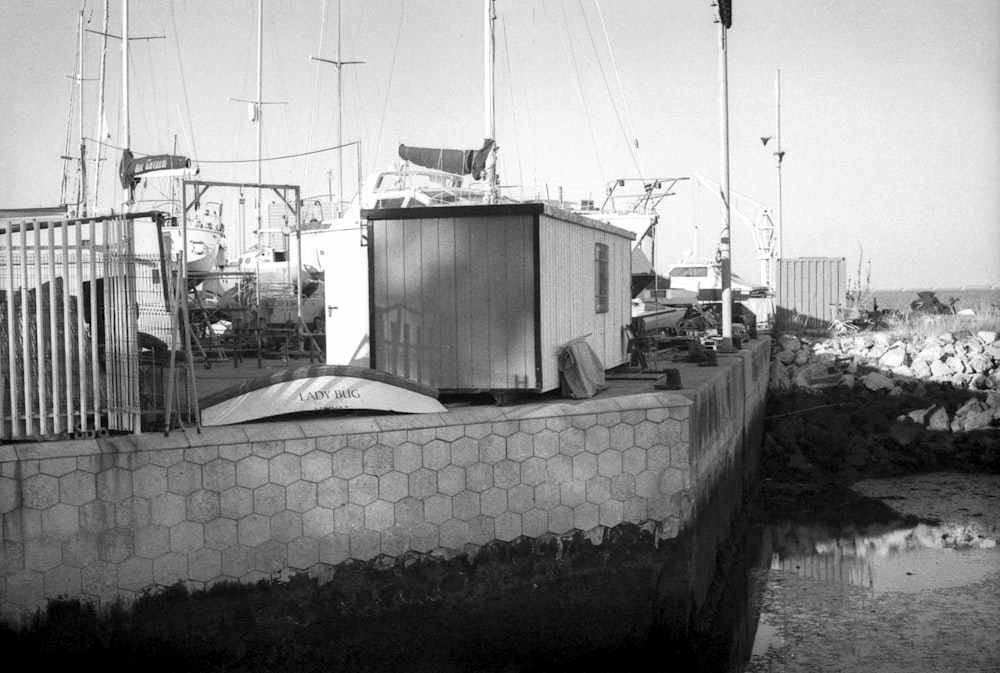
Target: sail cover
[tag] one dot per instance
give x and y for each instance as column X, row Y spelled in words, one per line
column 155, row 165
column 461, row 162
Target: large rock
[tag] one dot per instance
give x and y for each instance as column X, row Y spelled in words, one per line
column 789, row 342
column 919, row 415
column 921, row 369
column 894, row 357
column 972, row 404
column 938, row 419
column 977, row 420
column 958, row 364
column 993, row 400
column 941, row 370
column 779, row 376
column 959, row 380
column 812, row 375
column 877, row 381
column 931, row 352
column 980, row 363
column 785, row 357
column 987, row 337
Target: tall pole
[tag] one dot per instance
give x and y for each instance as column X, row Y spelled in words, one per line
column 724, row 244
column 340, row 121
column 126, row 138
column 258, row 110
column 82, row 200
column 340, row 63
column 778, row 155
column 489, row 107
column 101, row 129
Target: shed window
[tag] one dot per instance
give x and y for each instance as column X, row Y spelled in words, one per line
column 600, row 278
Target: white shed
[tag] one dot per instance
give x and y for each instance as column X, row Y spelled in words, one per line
column 483, row 297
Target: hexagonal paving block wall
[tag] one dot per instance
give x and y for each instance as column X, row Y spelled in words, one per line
column 109, row 518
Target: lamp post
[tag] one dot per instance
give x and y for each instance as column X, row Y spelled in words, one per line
column 725, row 21
column 778, row 156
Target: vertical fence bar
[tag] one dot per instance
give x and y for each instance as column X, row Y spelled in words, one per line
column 4, row 340
column 81, row 346
column 67, row 331
column 25, row 332
column 95, row 319
column 57, row 420
column 40, row 359
column 109, row 321
column 132, row 322
column 15, row 425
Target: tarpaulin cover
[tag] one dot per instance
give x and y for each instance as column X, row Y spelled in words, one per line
column 461, row 162
column 581, row 371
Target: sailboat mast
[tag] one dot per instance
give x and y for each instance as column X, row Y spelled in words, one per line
column 101, row 132
column 126, row 137
column 82, row 198
column 259, row 111
column 490, row 111
column 340, row 63
column 340, row 120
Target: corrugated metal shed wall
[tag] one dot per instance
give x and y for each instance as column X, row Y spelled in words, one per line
column 453, row 300
column 568, row 286
column 809, row 289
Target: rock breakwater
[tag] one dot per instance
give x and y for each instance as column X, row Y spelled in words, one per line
column 877, row 404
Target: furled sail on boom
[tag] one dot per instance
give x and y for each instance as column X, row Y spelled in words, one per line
column 132, row 170
column 461, row 162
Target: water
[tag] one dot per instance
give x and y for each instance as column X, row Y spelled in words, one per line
column 983, row 300
column 898, row 574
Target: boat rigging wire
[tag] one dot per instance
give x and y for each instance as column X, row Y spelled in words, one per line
column 568, row 42
column 513, row 107
column 316, row 87
column 392, row 69
column 69, row 128
column 243, row 161
column 604, row 77
column 187, row 102
column 637, row 156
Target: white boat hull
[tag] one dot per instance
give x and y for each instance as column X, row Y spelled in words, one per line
column 203, row 248
column 315, row 389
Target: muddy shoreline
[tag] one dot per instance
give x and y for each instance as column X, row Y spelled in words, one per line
column 883, row 531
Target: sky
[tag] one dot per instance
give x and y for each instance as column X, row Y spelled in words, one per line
column 889, row 111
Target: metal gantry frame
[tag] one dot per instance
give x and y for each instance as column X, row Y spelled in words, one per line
column 761, row 225
column 192, row 192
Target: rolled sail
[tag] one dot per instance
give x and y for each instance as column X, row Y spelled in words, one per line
column 461, row 162
column 132, row 169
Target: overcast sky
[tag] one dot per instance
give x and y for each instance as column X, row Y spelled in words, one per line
column 889, row 110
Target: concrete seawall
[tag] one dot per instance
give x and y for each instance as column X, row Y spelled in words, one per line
column 119, row 517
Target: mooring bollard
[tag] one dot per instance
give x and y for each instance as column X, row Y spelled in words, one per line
column 671, row 380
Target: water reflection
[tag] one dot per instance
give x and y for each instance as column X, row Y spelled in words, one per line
column 908, row 558
column 857, row 549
